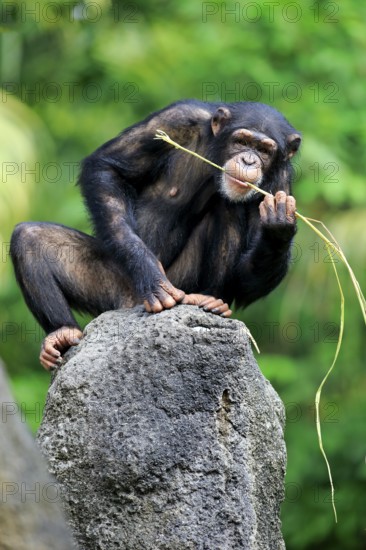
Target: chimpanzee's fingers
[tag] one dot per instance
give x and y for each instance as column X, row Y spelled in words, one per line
column 166, row 300
column 263, row 212
column 175, row 293
column 206, row 300
column 208, row 303
column 48, row 347
column 159, row 301
column 267, row 209
column 227, row 313
column 47, row 361
column 46, row 357
column 220, row 309
column 67, row 336
column 191, row 299
column 290, row 209
column 213, row 304
column 154, row 304
column 280, row 198
column 196, row 299
column 217, row 306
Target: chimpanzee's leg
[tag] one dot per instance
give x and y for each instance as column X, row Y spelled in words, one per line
column 58, row 268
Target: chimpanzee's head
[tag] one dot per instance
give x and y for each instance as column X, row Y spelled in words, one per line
column 254, row 143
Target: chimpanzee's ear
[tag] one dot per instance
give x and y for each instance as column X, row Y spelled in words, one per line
column 293, row 142
column 219, row 119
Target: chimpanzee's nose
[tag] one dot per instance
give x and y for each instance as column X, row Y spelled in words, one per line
column 248, row 158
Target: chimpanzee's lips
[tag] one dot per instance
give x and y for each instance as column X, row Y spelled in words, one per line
column 239, row 182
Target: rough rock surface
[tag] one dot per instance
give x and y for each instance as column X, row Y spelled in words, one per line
column 163, row 434
column 30, row 513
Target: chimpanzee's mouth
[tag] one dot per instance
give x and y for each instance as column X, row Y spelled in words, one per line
column 244, row 184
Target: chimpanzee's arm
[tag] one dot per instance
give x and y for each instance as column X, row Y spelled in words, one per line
column 111, row 203
column 111, row 179
column 111, row 196
column 264, row 265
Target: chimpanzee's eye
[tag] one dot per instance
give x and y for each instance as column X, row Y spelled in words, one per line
column 241, row 140
column 263, row 150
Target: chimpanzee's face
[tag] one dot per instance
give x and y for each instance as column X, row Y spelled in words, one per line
column 251, row 155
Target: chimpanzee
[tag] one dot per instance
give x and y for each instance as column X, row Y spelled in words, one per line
column 169, row 228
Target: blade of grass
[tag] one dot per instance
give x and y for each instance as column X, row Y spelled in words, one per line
column 337, row 249
column 319, row 391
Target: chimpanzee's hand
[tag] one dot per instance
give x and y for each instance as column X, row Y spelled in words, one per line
column 208, row 303
column 278, row 215
column 164, row 296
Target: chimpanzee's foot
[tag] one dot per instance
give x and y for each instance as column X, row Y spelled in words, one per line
column 208, row 303
column 56, row 343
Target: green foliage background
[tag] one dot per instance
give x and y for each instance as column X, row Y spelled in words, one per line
column 74, row 74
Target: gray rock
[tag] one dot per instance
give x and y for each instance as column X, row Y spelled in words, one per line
column 163, row 434
column 30, row 512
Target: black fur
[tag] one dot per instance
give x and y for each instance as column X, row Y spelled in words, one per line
column 206, row 243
